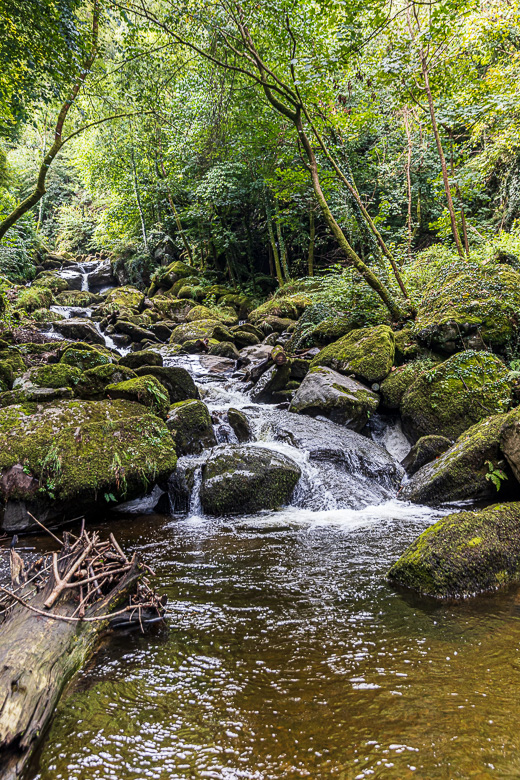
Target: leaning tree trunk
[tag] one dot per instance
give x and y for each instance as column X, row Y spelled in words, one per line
column 49, row 633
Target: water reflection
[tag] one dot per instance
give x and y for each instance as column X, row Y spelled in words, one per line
column 287, row 656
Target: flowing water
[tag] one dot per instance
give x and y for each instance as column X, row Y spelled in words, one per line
column 286, row 655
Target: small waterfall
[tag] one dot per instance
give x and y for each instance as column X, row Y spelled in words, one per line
column 84, row 282
column 195, row 508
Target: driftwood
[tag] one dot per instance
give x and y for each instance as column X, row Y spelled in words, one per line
column 278, row 356
column 52, row 616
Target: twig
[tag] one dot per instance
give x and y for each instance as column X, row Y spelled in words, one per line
column 45, row 529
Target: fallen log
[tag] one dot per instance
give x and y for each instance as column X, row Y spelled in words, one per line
column 52, row 617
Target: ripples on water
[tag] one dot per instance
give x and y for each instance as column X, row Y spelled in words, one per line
column 287, row 656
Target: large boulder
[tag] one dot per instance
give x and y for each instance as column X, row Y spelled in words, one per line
column 101, row 276
column 368, row 353
column 464, row 554
column 240, row 479
column 341, row 399
column 175, row 379
column 467, row 305
column 450, row 397
column 145, row 390
column 191, row 427
column 173, row 309
column 79, row 298
column 291, row 307
column 32, row 298
column 59, row 459
column 144, row 357
column 126, row 298
column 510, row 441
column 462, row 472
column 399, row 380
column 84, row 356
column 93, row 381
column 79, row 329
column 200, row 329
column 50, row 375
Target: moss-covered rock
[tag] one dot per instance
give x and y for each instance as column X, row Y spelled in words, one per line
column 46, row 316
column 510, row 441
column 83, row 357
column 276, row 324
column 144, row 357
column 468, row 305
column 93, row 381
column 277, row 307
column 175, row 379
column 51, row 375
column 75, row 452
column 225, row 349
column 240, row 425
column 341, row 399
column 399, row 380
column 32, row 394
column 450, row 397
column 246, row 479
column 136, row 333
column 54, row 283
column 175, row 309
column 190, row 425
column 126, row 297
column 196, row 346
column 79, row 329
column 166, row 277
column 368, row 353
column 145, row 390
column 225, row 315
column 12, row 356
column 464, row 554
column 31, row 298
column 462, row 472
column 243, row 338
column 428, row 448
column 201, row 329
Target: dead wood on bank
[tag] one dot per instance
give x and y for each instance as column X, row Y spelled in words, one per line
column 51, row 619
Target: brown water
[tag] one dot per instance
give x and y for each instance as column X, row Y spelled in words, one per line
column 287, row 656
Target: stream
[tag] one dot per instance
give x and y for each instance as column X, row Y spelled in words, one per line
column 286, row 655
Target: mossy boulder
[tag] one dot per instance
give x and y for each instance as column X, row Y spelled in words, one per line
column 196, row 346
column 145, row 390
column 31, row 298
column 93, row 381
column 79, row 329
column 54, row 283
column 273, row 380
column 331, row 329
column 462, row 472
column 368, row 353
column 225, row 349
column 84, row 357
column 399, row 380
column 126, row 298
column 51, row 375
column 450, row 397
column 464, row 554
column 201, row 329
column 73, row 453
column 243, row 338
column 174, row 309
column 428, row 448
column 190, row 425
column 166, row 277
column 46, row 316
column 277, row 307
column 135, row 332
column 144, row 357
column 468, row 305
column 239, row 424
column 12, row 357
column 276, row 324
column 238, row 479
column 226, row 315
column 175, row 379
column 510, row 441
column 339, row 398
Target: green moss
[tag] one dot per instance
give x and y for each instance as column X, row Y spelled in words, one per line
column 79, row 298
column 176, row 380
column 146, row 390
column 46, row 315
column 464, row 554
column 225, row 349
column 126, row 297
column 79, row 449
column 450, row 397
column 486, row 298
column 399, row 380
column 54, row 375
column 54, row 283
column 366, row 352
column 201, row 329
column 33, row 298
column 84, row 358
column 191, row 427
column 225, row 315
column 277, row 307
column 93, row 381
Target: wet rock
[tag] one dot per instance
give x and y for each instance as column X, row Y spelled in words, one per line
column 176, row 380
column 145, row 390
column 78, row 451
column 240, row 425
column 243, row 338
column 101, row 276
column 136, row 332
column 79, row 330
column 343, row 400
column 428, row 448
column 273, row 380
column 190, row 425
column 368, row 353
column 225, row 349
column 450, row 397
column 461, row 473
column 243, row 480
column 464, row 554
column 162, row 330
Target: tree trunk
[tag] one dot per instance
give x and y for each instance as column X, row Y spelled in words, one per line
column 272, row 240
column 39, row 190
column 444, row 168
column 312, row 237
column 408, row 183
column 138, row 201
column 283, row 249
